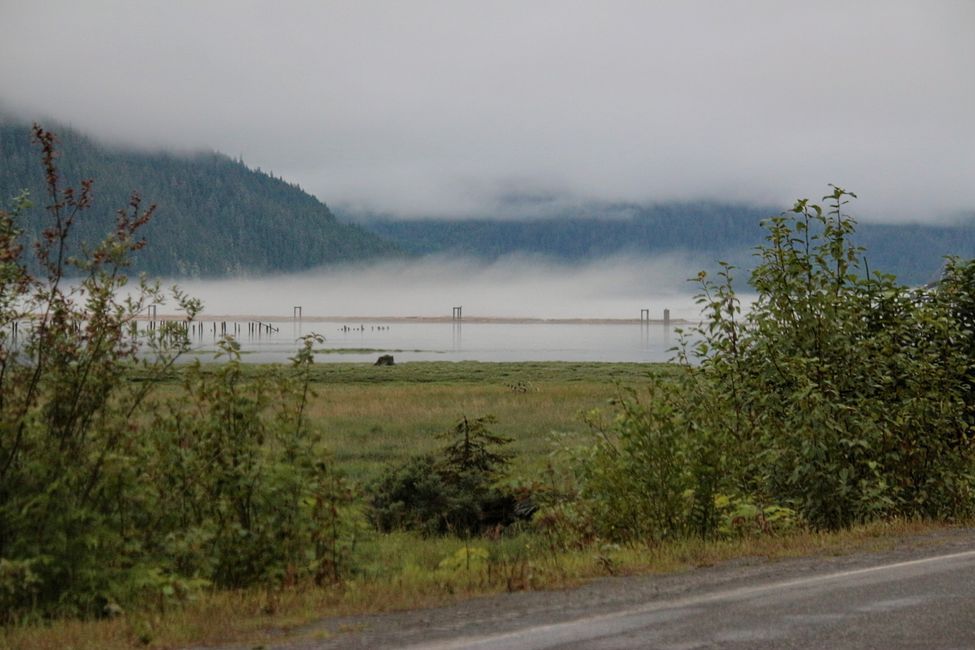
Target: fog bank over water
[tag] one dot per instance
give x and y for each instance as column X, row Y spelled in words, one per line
column 510, row 287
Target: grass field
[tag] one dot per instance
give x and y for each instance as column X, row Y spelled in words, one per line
column 372, row 416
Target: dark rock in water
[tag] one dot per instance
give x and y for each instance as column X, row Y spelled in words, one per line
column 385, row 360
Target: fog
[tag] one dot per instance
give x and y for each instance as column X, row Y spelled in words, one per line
column 428, row 107
column 511, row 287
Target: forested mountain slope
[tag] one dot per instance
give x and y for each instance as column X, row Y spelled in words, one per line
column 218, row 217
column 215, row 215
column 729, row 232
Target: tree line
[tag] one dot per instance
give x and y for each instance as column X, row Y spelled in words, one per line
column 709, row 230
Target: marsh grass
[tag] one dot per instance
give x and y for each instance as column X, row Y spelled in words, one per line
column 373, row 425
column 473, row 372
column 372, row 416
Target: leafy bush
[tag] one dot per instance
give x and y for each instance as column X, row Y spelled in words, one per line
column 853, row 383
column 840, row 395
column 67, row 445
column 106, row 498
column 241, row 485
column 638, row 474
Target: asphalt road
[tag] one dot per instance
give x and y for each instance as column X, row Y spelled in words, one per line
column 924, row 603
column 918, row 594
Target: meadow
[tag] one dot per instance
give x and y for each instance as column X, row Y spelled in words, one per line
column 375, row 416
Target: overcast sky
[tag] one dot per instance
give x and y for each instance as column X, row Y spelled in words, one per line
column 454, row 107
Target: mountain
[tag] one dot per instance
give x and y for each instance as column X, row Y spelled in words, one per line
column 215, row 215
column 729, row 232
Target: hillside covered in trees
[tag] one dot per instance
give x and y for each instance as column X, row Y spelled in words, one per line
column 215, row 215
column 218, row 217
column 913, row 252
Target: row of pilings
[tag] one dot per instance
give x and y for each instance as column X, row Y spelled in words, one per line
column 222, row 328
column 190, row 328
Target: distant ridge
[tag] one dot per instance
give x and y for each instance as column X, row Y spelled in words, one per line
column 215, row 216
column 711, row 231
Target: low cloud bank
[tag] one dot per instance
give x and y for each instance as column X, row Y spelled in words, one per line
column 511, row 287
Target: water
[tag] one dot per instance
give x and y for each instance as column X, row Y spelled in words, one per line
column 514, row 309
column 451, row 341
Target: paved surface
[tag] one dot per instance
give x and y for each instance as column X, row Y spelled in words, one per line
column 921, row 594
column 917, row 604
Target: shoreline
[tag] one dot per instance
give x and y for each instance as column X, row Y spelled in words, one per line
column 480, row 320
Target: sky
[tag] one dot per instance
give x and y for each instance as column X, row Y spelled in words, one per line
column 474, row 108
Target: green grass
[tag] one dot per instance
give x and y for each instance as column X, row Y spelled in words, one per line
column 478, row 372
column 374, row 416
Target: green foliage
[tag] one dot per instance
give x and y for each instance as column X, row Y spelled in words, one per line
column 955, row 294
column 656, row 468
column 472, row 447
column 455, row 491
column 67, row 444
column 108, row 497
column 637, row 475
column 216, row 216
column 243, row 487
column 850, row 384
column 19, row 586
column 742, row 518
column 840, row 395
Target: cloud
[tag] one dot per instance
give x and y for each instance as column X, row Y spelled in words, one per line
column 513, row 287
column 446, row 108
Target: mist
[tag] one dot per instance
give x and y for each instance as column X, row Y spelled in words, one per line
column 511, row 287
column 435, row 108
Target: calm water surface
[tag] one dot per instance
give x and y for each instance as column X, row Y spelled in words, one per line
column 365, row 341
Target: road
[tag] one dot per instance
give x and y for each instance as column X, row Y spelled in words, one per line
column 920, row 594
column 926, row 603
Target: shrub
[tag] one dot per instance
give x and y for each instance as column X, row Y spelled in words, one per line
column 67, row 446
column 853, row 382
column 241, row 485
column 454, row 491
column 106, row 499
column 839, row 395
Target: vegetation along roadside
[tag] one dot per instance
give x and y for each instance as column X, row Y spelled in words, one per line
column 139, row 513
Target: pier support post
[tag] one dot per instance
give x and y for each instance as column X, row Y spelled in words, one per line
column 457, row 313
